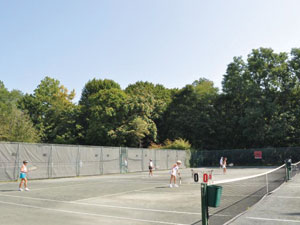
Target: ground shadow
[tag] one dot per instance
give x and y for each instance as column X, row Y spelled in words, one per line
column 293, row 214
column 7, row 190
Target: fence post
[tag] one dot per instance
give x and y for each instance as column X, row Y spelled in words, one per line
column 100, row 160
column 78, row 163
column 17, row 164
column 155, row 162
column 102, row 164
column 52, row 164
column 168, row 159
column 120, row 159
column 142, row 159
column 204, row 205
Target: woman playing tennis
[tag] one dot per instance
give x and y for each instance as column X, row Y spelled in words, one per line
column 174, row 171
column 151, row 168
column 224, row 165
column 23, row 174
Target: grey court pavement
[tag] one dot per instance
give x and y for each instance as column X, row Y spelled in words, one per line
column 280, row 208
column 129, row 199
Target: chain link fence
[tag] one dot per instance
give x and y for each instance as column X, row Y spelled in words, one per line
column 246, row 157
column 54, row 161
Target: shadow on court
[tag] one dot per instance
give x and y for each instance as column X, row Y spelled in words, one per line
column 280, row 208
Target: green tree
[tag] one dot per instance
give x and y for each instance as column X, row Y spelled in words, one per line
column 260, row 95
column 51, row 109
column 147, row 103
column 14, row 124
column 191, row 115
column 106, row 114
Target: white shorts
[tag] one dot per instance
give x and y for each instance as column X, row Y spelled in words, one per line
column 224, row 167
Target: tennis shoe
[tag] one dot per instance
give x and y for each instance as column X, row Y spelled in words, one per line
column 170, row 186
column 176, row 185
column 20, row 189
column 26, row 189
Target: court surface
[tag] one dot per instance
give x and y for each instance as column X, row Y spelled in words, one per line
column 126, row 199
column 280, row 208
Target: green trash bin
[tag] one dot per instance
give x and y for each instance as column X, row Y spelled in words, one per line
column 214, row 193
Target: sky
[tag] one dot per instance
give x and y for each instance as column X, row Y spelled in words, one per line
column 168, row 42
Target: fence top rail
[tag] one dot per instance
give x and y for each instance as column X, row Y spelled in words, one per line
column 86, row 146
column 247, row 149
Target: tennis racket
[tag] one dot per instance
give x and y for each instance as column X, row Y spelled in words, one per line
column 179, row 178
column 32, row 168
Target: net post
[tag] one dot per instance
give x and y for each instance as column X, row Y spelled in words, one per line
column 286, row 172
column 204, row 206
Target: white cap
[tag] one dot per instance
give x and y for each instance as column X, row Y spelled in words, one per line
column 179, row 162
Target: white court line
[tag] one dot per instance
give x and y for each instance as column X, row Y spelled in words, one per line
column 270, row 219
column 90, row 214
column 293, row 185
column 102, row 205
column 288, row 197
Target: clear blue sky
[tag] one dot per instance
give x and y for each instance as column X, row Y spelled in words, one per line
column 170, row 42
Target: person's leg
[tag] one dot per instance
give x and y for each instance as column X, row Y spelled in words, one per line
column 25, row 183
column 21, row 183
column 172, row 177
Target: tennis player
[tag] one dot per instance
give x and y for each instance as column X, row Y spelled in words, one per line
column 23, row 176
column 151, row 166
column 174, row 171
column 221, row 162
column 224, row 165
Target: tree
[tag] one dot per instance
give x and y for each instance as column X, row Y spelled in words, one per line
column 147, row 103
column 14, row 124
column 106, row 114
column 52, row 112
column 191, row 115
column 260, row 92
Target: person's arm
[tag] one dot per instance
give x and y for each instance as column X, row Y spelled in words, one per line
column 22, row 169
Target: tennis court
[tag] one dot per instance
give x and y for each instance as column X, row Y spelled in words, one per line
column 133, row 198
column 280, row 208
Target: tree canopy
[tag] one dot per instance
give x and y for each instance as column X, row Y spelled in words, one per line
column 258, row 106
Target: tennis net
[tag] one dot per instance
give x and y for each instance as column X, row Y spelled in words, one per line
column 240, row 194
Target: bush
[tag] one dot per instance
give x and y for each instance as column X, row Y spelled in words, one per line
column 179, row 144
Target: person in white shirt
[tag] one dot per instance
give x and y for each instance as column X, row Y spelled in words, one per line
column 151, row 166
column 174, row 171
column 23, row 176
column 221, row 162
